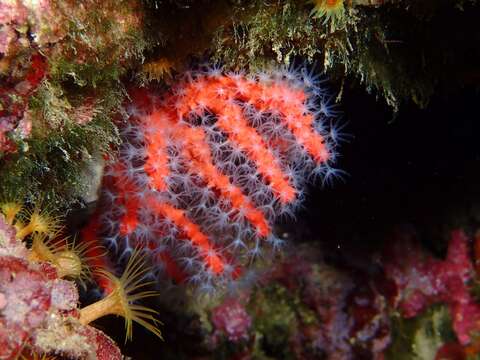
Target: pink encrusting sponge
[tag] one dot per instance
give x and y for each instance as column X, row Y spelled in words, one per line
column 206, row 169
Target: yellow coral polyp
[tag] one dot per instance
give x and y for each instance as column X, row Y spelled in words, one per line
column 42, row 249
column 39, row 222
column 69, row 264
column 330, row 10
column 35, row 356
column 121, row 300
column 10, row 210
column 70, row 259
column 158, row 70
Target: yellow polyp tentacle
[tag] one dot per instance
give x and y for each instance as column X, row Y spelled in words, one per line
column 159, row 69
column 23, row 232
column 41, row 222
column 10, row 210
column 330, row 10
column 69, row 258
column 36, row 356
column 72, row 261
column 121, row 300
column 69, row 264
column 42, row 249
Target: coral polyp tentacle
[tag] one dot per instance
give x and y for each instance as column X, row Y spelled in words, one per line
column 10, row 209
column 70, row 257
column 329, row 10
column 201, row 160
column 121, row 299
column 38, row 221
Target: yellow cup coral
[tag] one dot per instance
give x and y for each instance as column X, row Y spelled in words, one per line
column 69, row 257
column 39, row 221
column 121, row 299
column 330, row 10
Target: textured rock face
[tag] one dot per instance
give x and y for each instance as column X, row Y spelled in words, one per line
column 407, row 303
column 231, row 319
column 422, row 280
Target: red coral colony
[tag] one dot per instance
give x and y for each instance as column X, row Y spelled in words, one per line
column 205, row 170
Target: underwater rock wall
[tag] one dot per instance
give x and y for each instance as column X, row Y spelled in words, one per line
column 202, row 167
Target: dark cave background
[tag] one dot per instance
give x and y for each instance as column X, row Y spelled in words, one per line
column 418, row 169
